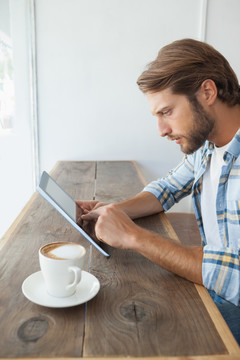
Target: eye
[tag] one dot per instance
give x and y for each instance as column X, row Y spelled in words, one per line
column 167, row 112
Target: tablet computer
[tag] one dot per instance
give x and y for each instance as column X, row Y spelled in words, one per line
column 64, row 204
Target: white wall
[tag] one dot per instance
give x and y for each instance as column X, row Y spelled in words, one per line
column 90, row 54
column 16, row 185
column 223, row 30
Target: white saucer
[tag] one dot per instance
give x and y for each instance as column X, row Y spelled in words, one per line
column 34, row 289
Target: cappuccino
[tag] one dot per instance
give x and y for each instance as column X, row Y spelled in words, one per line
column 63, row 251
column 61, row 265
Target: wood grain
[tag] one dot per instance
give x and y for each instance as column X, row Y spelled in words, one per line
column 141, row 310
column 27, row 329
column 208, row 357
column 187, row 231
column 116, row 181
column 186, row 228
column 145, row 310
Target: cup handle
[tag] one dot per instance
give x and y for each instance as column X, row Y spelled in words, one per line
column 77, row 277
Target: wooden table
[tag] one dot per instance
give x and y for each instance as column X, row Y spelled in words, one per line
column 141, row 310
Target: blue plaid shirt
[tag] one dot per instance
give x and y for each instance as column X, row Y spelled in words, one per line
column 221, row 265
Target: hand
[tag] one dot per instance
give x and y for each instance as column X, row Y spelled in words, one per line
column 84, row 207
column 113, row 226
column 87, row 205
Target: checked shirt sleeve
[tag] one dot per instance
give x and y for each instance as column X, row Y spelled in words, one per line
column 221, row 272
column 175, row 186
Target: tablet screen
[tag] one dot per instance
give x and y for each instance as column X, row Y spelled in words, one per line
column 65, row 204
column 57, row 194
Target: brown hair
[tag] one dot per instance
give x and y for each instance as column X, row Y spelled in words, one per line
column 184, row 64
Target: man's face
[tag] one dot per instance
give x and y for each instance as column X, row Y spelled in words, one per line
column 181, row 120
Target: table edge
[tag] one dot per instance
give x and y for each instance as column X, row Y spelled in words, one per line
column 197, row 357
column 220, row 324
column 215, row 315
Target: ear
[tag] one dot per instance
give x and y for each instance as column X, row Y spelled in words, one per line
column 208, row 92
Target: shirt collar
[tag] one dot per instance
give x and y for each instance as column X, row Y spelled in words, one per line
column 233, row 148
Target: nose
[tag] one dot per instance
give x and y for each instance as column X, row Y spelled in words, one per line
column 163, row 128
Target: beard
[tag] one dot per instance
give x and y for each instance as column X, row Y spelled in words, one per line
column 203, row 125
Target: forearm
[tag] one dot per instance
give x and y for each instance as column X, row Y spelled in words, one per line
column 185, row 261
column 115, row 228
column 142, row 204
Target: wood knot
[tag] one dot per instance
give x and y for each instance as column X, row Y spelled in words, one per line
column 133, row 311
column 33, row 329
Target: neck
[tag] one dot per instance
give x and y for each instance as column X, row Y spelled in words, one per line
column 227, row 123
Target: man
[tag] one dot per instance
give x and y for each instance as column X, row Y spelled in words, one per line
column 195, row 96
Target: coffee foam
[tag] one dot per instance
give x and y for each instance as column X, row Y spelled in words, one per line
column 63, row 251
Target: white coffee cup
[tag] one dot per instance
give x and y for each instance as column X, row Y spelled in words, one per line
column 61, row 264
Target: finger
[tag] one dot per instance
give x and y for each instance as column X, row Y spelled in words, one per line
column 100, row 239
column 92, row 215
column 78, row 203
column 100, row 204
column 79, row 221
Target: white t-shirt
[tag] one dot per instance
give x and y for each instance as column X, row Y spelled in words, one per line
column 209, row 194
